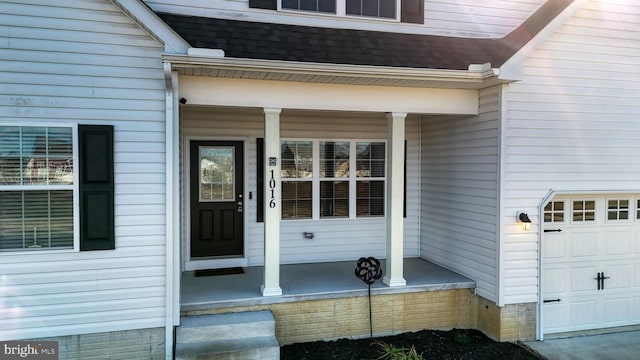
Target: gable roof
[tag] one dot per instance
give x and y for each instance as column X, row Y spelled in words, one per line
column 268, row 41
column 148, row 20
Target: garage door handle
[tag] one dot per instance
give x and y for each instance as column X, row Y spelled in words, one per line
column 550, row 301
column 552, row 230
column 601, row 278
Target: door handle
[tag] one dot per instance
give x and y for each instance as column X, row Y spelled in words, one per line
column 601, row 278
column 239, row 209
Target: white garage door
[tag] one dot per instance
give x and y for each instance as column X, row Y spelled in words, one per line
column 590, row 263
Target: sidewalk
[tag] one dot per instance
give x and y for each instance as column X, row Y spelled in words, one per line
column 617, row 346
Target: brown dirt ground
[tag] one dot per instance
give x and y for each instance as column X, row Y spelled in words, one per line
column 446, row 345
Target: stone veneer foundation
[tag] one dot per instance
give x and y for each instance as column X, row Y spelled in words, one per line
column 348, row 317
column 326, row 319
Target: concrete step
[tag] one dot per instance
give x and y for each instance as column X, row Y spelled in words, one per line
column 225, row 326
column 245, row 335
column 255, row 348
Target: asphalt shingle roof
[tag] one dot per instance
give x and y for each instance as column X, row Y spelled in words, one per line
column 268, row 41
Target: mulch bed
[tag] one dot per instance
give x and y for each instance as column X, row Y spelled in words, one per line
column 447, row 345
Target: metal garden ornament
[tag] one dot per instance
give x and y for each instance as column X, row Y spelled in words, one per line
column 369, row 270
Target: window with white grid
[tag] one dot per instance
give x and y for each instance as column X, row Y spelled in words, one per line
column 36, row 187
column 584, row 211
column 383, row 9
column 332, row 179
column 618, row 209
column 554, row 212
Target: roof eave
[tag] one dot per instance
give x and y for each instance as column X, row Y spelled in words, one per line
column 512, row 66
column 476, row 77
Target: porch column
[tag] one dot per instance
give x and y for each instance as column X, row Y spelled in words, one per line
column 271, row 284
column 394, row 276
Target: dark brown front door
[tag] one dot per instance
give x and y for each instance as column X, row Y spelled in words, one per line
column 216, row 198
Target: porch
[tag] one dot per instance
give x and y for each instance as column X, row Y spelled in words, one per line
column 305, row 282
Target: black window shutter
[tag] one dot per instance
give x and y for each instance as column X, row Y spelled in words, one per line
column 95, row 144
column 412, row 11
column 263, row 4
column 260, row 175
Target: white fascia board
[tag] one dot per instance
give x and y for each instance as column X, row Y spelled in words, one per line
column 146, row 18
column 476, row 74
column 238, row 92
column 512, row 68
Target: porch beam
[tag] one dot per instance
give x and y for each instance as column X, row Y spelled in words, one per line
column 272, row 202
column 394, row 275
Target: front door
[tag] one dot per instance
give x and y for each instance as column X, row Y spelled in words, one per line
column 216, row 199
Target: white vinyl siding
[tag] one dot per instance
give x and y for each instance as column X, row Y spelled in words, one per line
column 572, row 126
column 466, row 18
column 473, row 18
column 460, row 192
column 334, row 239
column 85, row 62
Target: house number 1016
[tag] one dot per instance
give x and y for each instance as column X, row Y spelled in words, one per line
column 272, row 186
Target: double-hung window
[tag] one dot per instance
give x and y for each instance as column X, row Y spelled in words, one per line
column 37, row 179
column 324, row 179
column 334, row 179
column 370, row 178
column 297, row 176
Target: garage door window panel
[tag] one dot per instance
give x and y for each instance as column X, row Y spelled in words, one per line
column 584, row 211
column 554, row 212
column 618, row 209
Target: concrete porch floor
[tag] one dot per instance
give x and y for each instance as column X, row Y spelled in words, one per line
column 313, row 281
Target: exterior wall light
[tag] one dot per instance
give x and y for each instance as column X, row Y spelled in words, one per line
column 523, row 218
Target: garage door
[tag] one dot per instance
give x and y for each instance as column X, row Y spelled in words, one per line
column 590, row 263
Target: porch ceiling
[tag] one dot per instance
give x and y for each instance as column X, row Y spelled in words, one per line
column 478, row 77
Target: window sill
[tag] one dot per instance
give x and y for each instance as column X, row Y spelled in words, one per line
column 21, row 252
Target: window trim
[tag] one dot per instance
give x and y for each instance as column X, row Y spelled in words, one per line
column 75, row 187
column 341, row 12
column 352, row 179
column 552, row 212
column 411, row 11
column 630, row 210
column 596, row 211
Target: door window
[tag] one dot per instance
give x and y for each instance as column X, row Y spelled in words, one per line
column 216, row 173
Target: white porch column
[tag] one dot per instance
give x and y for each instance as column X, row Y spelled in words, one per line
column 394, row 275
column 271, row 284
